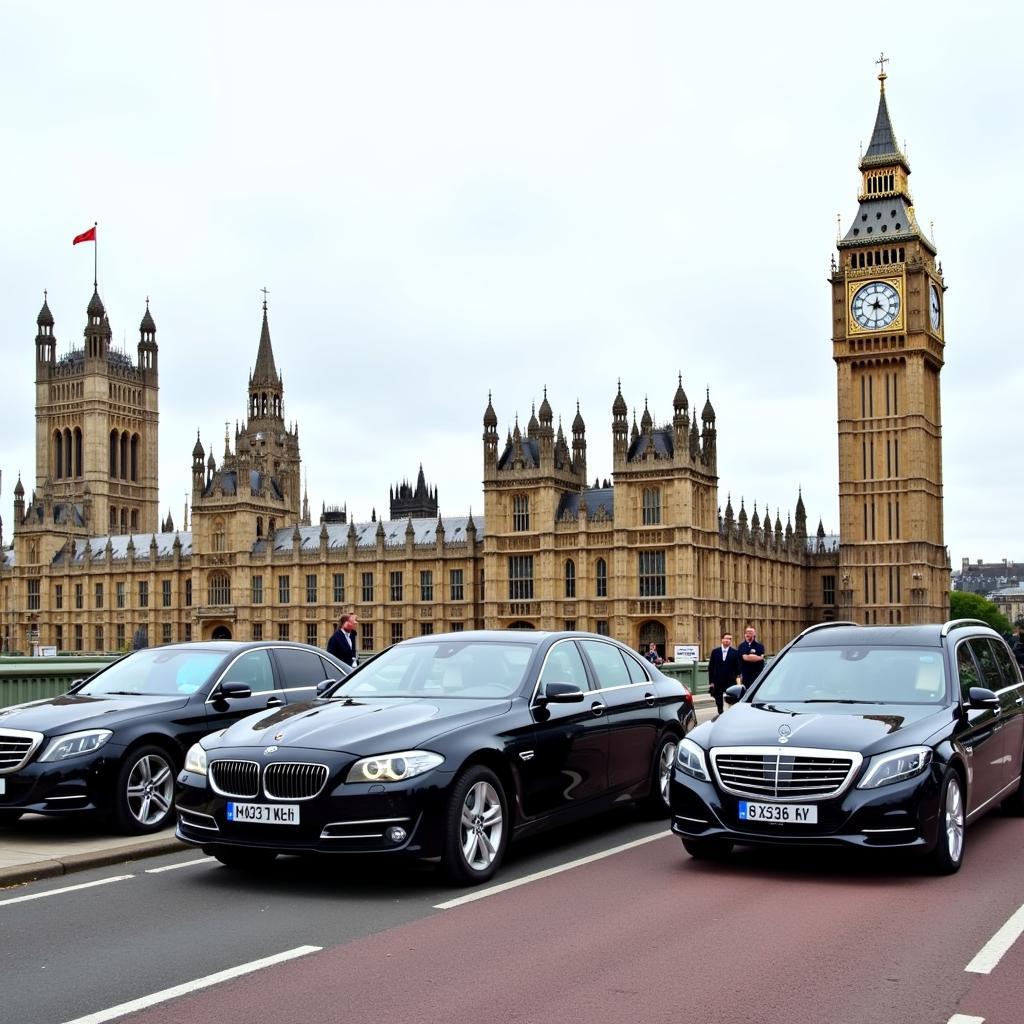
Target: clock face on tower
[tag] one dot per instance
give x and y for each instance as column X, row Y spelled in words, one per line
column 876, row 305
column 934, row 309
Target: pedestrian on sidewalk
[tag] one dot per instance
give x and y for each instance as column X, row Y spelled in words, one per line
column 342, row 643
column 751, row 656
column 723, row 670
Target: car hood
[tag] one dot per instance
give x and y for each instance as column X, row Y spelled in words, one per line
column 864, row 727
column 359, row 727
column 71, row 712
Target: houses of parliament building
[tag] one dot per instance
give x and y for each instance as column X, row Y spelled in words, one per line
column 647, row 556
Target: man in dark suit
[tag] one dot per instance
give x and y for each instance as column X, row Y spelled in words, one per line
column 343, row 640
column 723, row 670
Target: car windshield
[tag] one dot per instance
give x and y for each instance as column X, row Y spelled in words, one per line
column 447, row 668
column 158, row 672
column 870, row 675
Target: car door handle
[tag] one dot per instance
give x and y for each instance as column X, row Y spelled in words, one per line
column 649, row 699
column 597, row 708
column 1019, row 701
column 275, row 702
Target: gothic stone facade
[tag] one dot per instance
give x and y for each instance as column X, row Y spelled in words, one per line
column 646, row 556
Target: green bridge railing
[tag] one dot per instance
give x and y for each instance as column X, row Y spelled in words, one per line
column 24, row 679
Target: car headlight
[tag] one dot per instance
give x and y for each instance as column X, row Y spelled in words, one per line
column 393, row 767
column 690, row 760
column 75, row 743
column 897, row 765
column 195, row 759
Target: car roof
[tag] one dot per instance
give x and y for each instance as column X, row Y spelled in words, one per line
column 229, row 646
column 927, row 635
column 529, row 636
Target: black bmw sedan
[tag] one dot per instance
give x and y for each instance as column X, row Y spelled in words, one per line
column 878, row 738
column 114, row 743
column 443, row 748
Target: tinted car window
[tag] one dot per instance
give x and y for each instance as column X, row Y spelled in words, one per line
column 967, row 671
column 564, row 665
column 252, row 668
column 607, row 662
column 1006, row 663
column 157, row 672
column 299, row 668
column 990, row 674
column 635, row 670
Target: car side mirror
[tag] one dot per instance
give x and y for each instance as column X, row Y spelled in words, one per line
column 560, row 693
column 734, row 693
column 982, row 697
column 76, row 685
column 324, row 685
column 236, row 691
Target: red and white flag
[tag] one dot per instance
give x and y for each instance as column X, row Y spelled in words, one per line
column 85, row 236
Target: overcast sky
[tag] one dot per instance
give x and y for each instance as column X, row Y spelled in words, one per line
column 446, row 199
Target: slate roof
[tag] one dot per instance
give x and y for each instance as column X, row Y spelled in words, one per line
column 531, row 453
column 142, row 541
column 663, row 444
column 424, row 532
column 882, row 220
column 593, row 498
column 62, row 513
column 228, row 480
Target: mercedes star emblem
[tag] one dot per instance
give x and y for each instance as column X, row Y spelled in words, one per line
column 270, row 750
column 784, row 733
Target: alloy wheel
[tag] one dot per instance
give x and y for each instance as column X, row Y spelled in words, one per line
column 665, row 763
column 953, row 821
column 150, row 789
column 481, row 825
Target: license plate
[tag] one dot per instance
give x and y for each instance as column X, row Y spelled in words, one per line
column 801, row 814
column 264, row 814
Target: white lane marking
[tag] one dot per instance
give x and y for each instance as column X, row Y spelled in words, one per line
column 992, row 952
column 67, row 888
column 495, row 889
column 193, row 986
column 174, row 867
column 961, row 1018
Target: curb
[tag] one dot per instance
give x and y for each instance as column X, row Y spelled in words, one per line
column 52, row 867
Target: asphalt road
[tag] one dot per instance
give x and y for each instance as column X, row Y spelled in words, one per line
column 636, row 932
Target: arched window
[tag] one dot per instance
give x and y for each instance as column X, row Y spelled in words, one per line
column 78, row 451
column 259, row 526
column 219, row 591
column 653, row 632
column 218, row 535
column 113, row 453
column 113, row 519
column 652, row 506
column 58, row 454
column 521, row 625
column 135, row 520
column 601, row 578
column 124, row 456
column 68, row 455
column 520, row 512
column 135, row 457
column 124, row 520
column 570, row 578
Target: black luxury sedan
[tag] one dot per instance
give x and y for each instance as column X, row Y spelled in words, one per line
column 442, row 748
column 875, row 737
column 114, row 742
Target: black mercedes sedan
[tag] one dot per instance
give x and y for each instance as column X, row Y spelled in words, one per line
column 873, row 737
column 114, row 742
column 442, row 748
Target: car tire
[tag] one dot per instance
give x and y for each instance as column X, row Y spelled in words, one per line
column 476, row 827
column 10, row 817
column 656, row 802
column 948, row 853
column 245, row 859
column 144, row 797
column 708, row 849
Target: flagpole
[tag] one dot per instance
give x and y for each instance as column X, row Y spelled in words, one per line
column 95, row 260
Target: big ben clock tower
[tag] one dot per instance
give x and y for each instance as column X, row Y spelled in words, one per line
column 888, row 337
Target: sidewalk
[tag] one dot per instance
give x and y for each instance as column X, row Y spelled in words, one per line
column 41, row 847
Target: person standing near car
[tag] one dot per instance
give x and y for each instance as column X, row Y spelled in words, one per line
column 653, row 656
column 751, row 656
column 343, row 640
column 723, row 670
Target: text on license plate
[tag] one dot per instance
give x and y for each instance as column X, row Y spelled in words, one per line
column 802, row 814
column 265, row 814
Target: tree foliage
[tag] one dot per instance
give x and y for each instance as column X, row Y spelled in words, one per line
column 965, row 605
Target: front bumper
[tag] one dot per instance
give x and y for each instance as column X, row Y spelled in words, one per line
column 344, row 819
column 73, row 786
column 904, row 815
